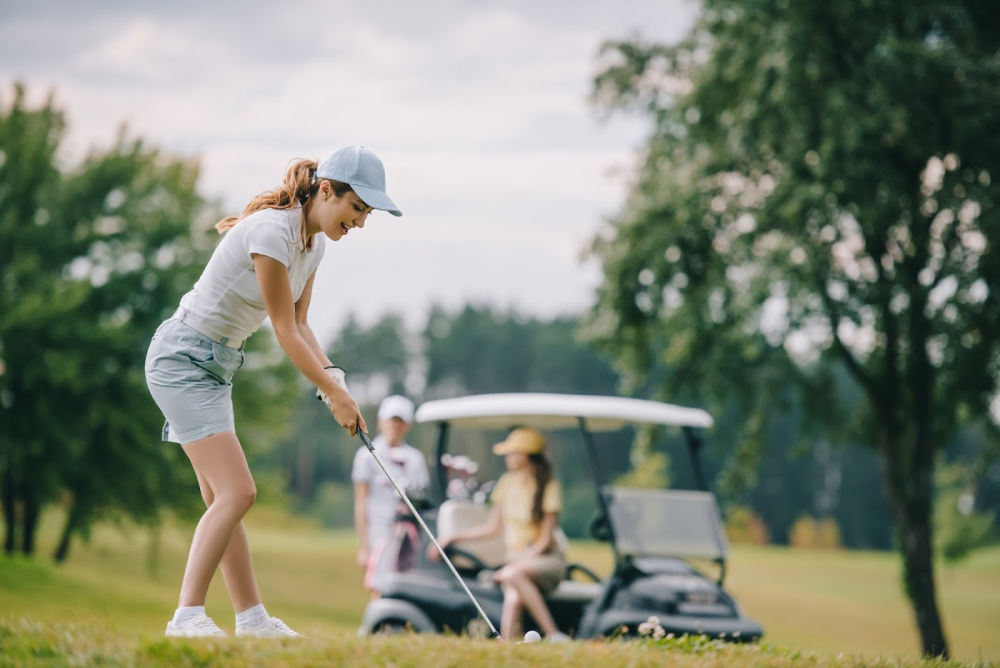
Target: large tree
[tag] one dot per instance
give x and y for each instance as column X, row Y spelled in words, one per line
column 820, row 188
column 92, row 257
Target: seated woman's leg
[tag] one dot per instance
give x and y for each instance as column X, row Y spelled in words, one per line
column 510, row 618
column 516, row 577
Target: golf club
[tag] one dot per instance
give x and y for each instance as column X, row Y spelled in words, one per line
column 399, row 490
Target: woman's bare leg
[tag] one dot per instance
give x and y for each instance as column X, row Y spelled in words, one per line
column 236, row 564
column 510, row 616
column 218, row 460
column 513, row 577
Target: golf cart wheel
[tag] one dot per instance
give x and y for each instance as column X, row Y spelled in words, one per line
column 391, row 627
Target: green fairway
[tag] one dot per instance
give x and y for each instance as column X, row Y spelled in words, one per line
column 115, row 594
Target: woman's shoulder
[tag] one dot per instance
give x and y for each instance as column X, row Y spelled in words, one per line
column 282, row 221
column 275, row 229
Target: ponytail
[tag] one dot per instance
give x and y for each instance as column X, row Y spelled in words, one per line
column 299, row 185
column 295, row 190
column 542, row 469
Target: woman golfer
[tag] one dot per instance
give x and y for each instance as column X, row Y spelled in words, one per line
column 526, row 506
column 263, row 267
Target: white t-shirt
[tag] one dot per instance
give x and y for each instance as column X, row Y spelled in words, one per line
column 407, row 465
column 226, row 299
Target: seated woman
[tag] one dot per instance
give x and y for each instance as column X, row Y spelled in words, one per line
column 526, row 506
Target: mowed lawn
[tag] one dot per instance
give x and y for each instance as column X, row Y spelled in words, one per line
column 125, row 581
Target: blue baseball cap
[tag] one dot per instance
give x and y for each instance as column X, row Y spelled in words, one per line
column 363, row 171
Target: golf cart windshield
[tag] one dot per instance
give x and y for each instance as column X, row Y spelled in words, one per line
column 665, row 523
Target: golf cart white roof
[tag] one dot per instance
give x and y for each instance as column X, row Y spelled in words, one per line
column 558, row 411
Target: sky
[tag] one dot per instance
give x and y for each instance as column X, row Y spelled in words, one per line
column 478, row 109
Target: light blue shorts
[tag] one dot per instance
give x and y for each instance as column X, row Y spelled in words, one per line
column 190, row 377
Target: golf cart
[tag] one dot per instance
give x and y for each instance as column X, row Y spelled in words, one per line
column 656, row 536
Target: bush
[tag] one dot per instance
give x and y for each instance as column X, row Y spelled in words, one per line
column 811, row 533
column 745, row 526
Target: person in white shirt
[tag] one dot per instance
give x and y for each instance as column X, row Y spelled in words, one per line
column 264, row 267
column 375, row 499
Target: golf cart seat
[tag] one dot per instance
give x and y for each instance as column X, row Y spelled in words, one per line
column 456, row 515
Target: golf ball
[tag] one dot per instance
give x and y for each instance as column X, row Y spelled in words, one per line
column 532, row 636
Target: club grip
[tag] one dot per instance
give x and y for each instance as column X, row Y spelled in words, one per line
column 364, row 439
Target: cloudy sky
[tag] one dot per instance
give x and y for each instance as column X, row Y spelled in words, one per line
column 478, row 109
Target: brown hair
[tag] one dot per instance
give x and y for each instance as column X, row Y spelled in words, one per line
column 299, row 186
column 542, row 469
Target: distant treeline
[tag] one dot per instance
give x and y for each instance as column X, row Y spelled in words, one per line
column 794, row 490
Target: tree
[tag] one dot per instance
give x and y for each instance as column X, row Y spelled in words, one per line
column 92, row 258
column 819, row 189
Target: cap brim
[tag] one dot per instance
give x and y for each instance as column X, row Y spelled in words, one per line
column 376, row 199
column 502, row 448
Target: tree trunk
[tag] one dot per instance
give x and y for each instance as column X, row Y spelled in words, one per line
column 909, row 495
column 69, row 528
column 32, row 512
column 918, row 576
column 9, row 512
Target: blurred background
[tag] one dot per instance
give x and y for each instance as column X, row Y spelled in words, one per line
column 780, row 212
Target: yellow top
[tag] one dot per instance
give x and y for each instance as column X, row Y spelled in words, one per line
column 513, row 494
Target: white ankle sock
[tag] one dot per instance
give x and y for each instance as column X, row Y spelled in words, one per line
column 252, row 616
column 186, row 613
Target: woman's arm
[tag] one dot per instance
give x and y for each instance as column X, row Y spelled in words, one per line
column 302, row 322
column 546, row 534
column 272, row 276
column 489, row 528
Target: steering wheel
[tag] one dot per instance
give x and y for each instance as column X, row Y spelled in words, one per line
column 573, row 568
column 600, row 528
column 477, row 564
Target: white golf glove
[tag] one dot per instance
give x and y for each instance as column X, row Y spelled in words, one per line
column 339, row 376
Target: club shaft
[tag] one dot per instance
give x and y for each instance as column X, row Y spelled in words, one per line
column 423, row 525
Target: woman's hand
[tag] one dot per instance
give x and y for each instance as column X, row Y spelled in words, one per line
column 346, row 412
column 362, row 557
column 432, row 552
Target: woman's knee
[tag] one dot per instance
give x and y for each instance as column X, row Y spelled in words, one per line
column 240, row 498
column 504, row 575
column 511, row 596
column 510, row 573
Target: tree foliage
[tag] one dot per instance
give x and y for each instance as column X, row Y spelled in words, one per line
column 819, row 190
column 92, row 258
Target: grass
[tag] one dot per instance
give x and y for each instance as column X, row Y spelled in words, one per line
column 109, row 603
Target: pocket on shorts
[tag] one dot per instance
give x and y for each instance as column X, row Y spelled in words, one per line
column 221, row 362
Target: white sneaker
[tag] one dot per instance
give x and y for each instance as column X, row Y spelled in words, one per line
column 557, row 637
column 199, row 626
column 272, row 627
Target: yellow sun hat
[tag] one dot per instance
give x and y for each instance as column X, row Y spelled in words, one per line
column 524, row 440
